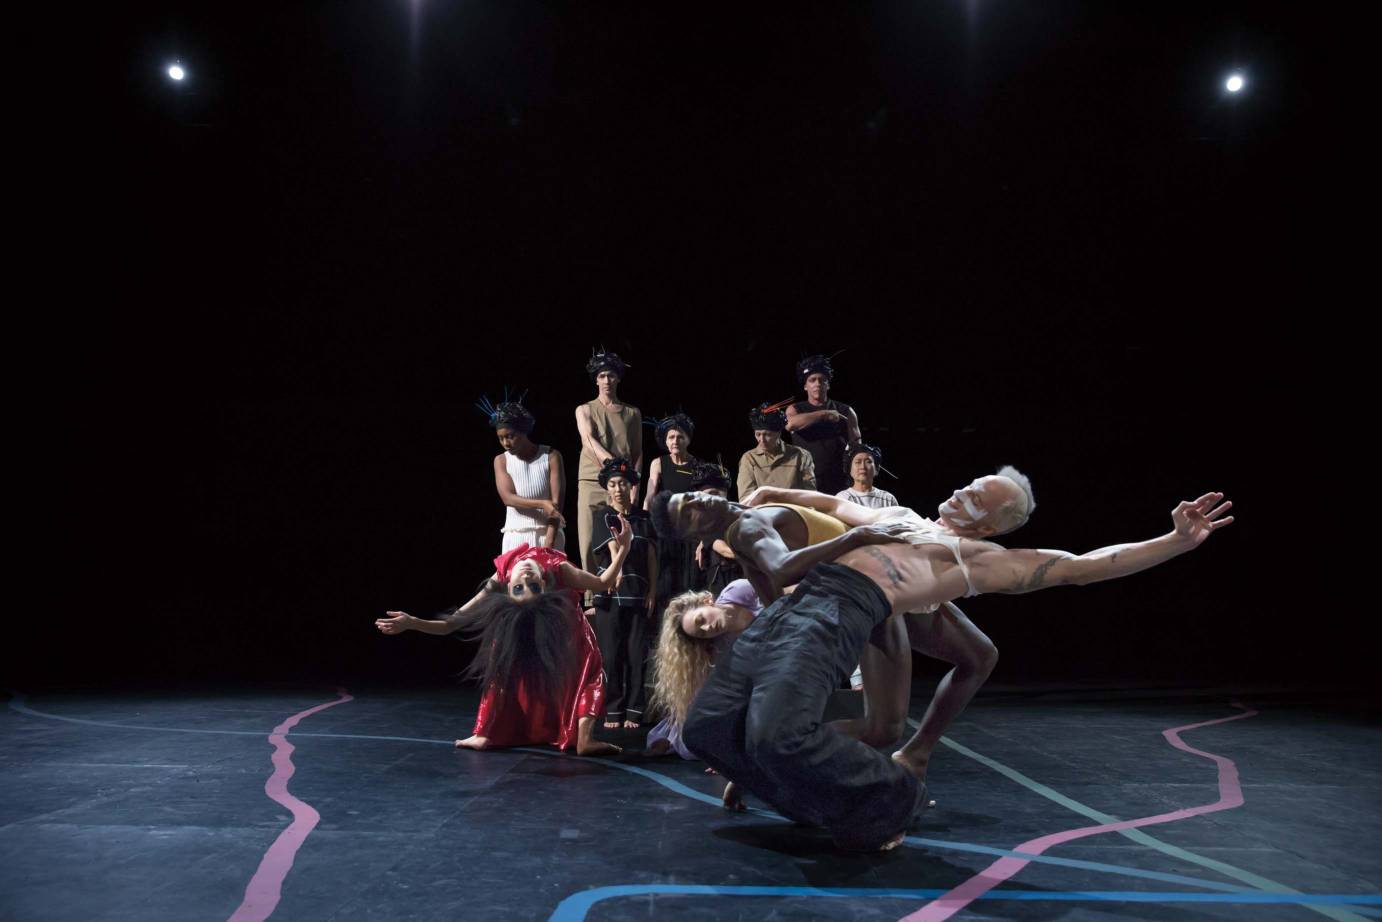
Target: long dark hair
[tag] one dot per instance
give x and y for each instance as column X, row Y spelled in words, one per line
column 531, row 640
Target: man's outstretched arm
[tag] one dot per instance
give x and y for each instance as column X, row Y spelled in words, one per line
column 1027, row 570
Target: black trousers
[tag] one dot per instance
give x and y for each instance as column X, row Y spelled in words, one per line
column 624, row 634
column 758, row 720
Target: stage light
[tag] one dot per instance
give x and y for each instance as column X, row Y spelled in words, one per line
column 1234, row 83
column 175, row 72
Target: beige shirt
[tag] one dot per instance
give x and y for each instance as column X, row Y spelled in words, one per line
column 793, row 469
column 620, row 433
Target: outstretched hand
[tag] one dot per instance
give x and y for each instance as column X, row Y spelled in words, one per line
column 397, row 623
column 1196, row 521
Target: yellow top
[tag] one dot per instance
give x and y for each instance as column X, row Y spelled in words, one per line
column 819, row 526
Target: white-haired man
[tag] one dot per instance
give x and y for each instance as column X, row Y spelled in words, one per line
column 758, row 719
column 988, row 506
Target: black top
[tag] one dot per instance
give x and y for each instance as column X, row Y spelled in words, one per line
column 677, row 477
column 676, row 559
column 826, row 441
column 633, row 588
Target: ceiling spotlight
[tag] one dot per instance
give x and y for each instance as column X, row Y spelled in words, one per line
column 175, row 72
column 1234, row 83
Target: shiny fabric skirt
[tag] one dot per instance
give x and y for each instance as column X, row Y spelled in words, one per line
column 516, row 716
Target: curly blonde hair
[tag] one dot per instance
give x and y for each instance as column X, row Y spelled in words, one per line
column 683, row 662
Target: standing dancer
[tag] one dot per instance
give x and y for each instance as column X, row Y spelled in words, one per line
column 538, row 660
column 773, row 463
column 758, row 718
column 822, row 426
column 623, row 614
column 609, row 428
column 676, row 559
column 861, row 464
column 530, row 479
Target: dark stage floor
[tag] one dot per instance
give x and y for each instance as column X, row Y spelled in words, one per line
column 154, row 807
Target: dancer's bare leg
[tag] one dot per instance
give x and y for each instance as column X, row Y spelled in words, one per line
column 588, row 745
column 951, row 637
column 473, row 742
column 886, row 662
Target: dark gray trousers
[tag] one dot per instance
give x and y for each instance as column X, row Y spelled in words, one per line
column 758, row 719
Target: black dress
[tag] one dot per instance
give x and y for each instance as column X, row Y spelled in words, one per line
column 676, row 560
column 826, row 441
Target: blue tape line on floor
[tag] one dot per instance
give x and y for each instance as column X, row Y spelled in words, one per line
column 575, row 907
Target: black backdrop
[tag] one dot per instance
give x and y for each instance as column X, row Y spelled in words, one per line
column 1041, row 234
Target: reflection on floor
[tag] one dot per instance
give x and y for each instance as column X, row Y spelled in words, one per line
column 154, row 807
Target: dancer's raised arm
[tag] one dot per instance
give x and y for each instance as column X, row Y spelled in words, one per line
column 574, row 578
column 1027, row 570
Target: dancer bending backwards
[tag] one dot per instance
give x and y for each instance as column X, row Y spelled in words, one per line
column 986, row 507
column 696, row 628
column 776, row 538
column 757, row 720
column 538, row 659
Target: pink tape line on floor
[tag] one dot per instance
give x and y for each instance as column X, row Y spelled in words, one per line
column 265, row 887
column 1230, row 796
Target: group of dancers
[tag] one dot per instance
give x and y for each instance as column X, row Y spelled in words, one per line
column 761, row 608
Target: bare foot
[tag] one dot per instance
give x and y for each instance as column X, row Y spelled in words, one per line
column 473, row 742
column 731, row 799
column 916, row 767
column 710, row 771
column 597, row 748
column 629, row 725
column 913, row 764
column 612, row 725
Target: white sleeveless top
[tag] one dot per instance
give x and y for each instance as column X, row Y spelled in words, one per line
column 921, row 530
column 530, row 481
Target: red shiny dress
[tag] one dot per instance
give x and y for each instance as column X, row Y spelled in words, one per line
column 513, row 717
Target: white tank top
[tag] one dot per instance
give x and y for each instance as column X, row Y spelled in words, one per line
column 921, row 530
column 530, row 481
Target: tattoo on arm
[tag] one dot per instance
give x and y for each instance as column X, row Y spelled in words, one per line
column 1038, row 576
column 887, row 563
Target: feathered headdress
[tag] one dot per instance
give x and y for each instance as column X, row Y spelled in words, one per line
column 771, row 416
column 605, row 360
column 677, row 420
column 618, row 467
column 508, row 413
column 815, row 365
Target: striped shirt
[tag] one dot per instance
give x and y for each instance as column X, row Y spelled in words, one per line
column 873, row 499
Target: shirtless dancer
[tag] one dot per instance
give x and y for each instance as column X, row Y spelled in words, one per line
column 984, row 508
column 791, row 530
column 757, row 720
